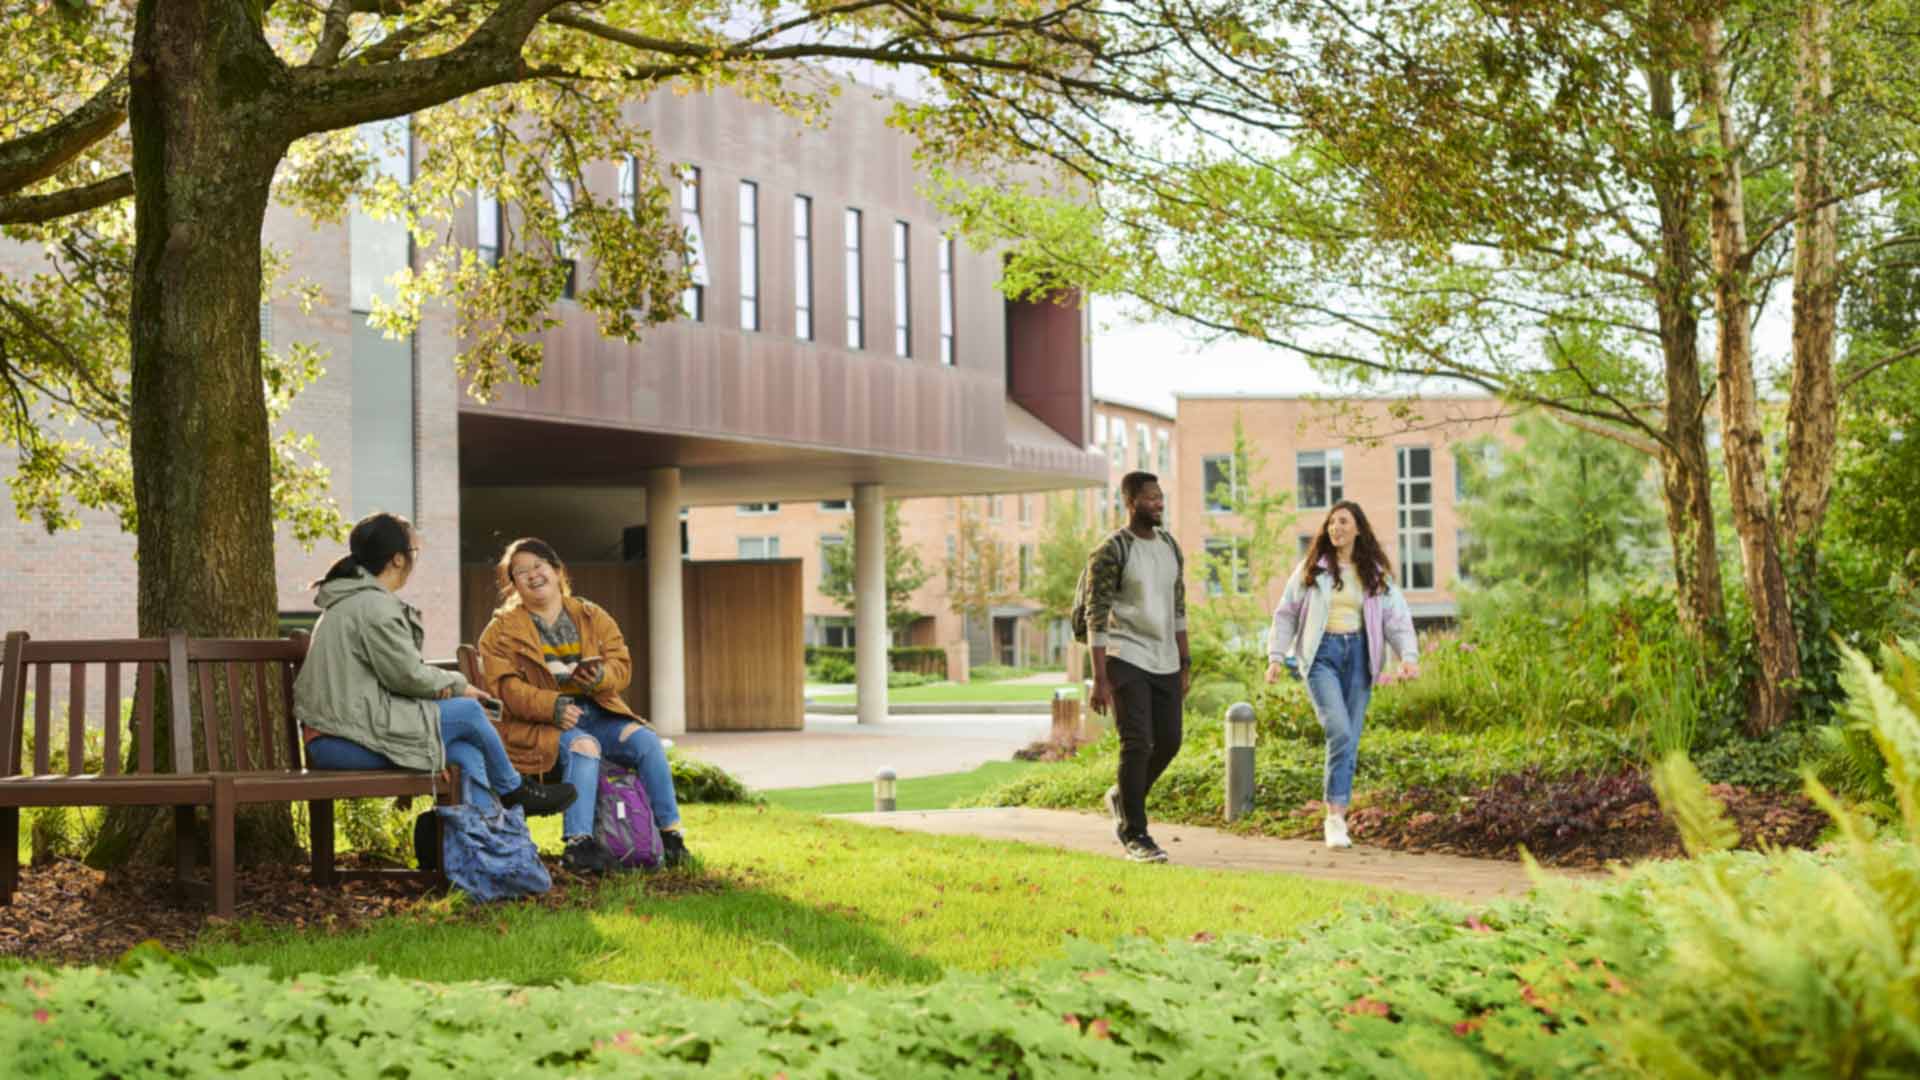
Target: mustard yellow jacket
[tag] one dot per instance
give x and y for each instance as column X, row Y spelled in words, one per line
column 515, row 671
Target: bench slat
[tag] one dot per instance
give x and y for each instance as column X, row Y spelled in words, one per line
column 237, row 719
column 143, row 679
column 76, row 718
column 13, row 684
column 179, row 703
column 209, row 719
column 42, row 716
column 110, row 716
column 95, row 652
column 296, row 746
column 265, row 707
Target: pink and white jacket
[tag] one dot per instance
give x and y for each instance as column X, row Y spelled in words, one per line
column 1300, row 621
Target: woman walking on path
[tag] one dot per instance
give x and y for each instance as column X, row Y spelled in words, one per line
column 366, row 699
column 560, row 663
column 1340, row 613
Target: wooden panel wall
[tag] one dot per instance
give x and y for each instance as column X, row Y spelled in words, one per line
column 746, row 656
column 744, row 627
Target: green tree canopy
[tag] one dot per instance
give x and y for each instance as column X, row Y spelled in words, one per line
column 905, row 573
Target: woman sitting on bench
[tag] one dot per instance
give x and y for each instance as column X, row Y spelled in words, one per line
column 560, row 663
column 366, row 699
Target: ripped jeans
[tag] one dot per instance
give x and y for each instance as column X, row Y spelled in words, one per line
column 605, row 734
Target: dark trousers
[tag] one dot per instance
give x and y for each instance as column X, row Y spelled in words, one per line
column 1146, row 715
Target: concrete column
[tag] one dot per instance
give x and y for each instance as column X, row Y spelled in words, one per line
column 870, row 601
column 666, row 611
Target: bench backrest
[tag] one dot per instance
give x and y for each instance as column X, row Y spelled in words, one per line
column 237, row 693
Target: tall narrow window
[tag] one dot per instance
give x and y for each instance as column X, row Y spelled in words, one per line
column 1142, row 447
column 946, row 301
column 856, row 308
column 694, row 300
column 1166, row 454
column 902, row 293
column 1415, row 506
column 562, row 188
column 749, row 255
column 1320, row 476
column 629, row 185
column 803, row 267
column 1218, row 490
column 487, row 230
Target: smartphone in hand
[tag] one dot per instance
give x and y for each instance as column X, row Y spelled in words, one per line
column 587, row 671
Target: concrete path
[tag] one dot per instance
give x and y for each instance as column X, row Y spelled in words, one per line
column 1449, row 876
column 837, row 750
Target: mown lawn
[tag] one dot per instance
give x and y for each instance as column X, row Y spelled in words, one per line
column 917, row 793
column 952, row 694
column 786, row 900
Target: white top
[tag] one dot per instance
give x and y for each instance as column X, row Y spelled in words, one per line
column 1143, row 627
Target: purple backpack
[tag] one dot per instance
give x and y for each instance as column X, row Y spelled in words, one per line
column 623, row 818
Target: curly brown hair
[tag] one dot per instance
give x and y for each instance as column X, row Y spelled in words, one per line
column 1369, row 562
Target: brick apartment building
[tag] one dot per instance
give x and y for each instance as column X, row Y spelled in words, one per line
column 1403, row 470
column 842, row 349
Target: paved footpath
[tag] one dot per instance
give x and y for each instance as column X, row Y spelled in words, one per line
column 1451, row 876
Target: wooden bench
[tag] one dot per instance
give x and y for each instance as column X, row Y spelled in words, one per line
column 239, row 695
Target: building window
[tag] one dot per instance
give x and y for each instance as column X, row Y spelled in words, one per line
column 488, row 227
column 803, row 267
column 833, row 631
column 1026, row 566
column 562, row 190
column 827, row 543
column 953, row 506
column 759, row 547
column 1474, row 463
column 1218, row 487
column 840, row 506
column 1118, row 429
column 1026, row 509
column 1165, row 456
column 694, row 300
column 1414, row 465
column 630, row 185
column 856, row 305
column 902, row 293
column 1467, row 553
column 759, row 508
column 1321, row 478
column 1142, row 447
column 1100, row 429
column 1228, row 557
column 749, row 255
column 993, row 508
column 946, row 301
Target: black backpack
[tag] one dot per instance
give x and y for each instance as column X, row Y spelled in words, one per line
column 1083, row 589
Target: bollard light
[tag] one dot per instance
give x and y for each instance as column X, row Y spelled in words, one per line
column 883, row 791
column 1240, row 736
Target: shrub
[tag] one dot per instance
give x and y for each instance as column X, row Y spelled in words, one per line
column 899, row 679
column 832, row 669
column 697, row 781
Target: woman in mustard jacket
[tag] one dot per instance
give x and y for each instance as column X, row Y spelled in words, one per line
column 559, row 663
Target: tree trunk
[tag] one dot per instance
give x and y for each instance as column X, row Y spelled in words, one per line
column 1742, row 438
column 1812, row 421
column 205, row 146
column 1686, row 475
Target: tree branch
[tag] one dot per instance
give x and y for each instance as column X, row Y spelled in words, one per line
column 33, row 209
column 1853, row 377
column 32, row 158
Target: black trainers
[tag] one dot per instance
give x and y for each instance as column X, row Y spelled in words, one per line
column 588, row 857
column 537, row 798
column 1142, row 849
column 673, row 848
column 1112, row 799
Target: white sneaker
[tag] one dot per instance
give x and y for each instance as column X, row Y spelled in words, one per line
column 1337, row 832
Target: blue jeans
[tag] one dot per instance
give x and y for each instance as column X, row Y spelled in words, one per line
column 604, row 734
column 1340, row 684
column 465, row 731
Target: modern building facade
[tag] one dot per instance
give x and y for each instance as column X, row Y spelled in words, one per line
column 841, row 348
column 1398, row 458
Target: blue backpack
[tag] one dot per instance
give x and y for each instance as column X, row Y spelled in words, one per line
column 488, row 852
column 623, row 818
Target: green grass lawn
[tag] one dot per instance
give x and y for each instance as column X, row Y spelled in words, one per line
column 789, row 900
column 918, row 793
column 951, row 694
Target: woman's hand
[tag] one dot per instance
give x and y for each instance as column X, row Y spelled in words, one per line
column 475, row 693
column 567, row 717
column 1275, row 669
column 1410, row 669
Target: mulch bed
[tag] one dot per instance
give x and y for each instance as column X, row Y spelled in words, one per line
column 1576, row 821
column 66, row 912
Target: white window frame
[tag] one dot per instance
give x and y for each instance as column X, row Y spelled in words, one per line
column 693, row 302
column 1206, row 489
column 803, row 267
column 1333, row 483
column 949, row 354
column 749, row 255
column 1408, row 511
column 853, row 253
column 902, row 290
column 757, row 509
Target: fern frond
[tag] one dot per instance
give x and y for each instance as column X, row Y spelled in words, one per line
column 1700, row 817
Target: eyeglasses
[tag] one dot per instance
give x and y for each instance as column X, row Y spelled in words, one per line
column 522, row 575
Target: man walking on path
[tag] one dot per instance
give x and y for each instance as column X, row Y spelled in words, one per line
column 1137, row 627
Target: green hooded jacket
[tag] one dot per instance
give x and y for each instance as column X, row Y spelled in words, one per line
column 364, row 679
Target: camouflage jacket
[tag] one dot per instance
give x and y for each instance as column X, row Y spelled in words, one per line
column 1105, row 568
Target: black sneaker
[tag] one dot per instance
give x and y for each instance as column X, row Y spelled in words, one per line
column 537, row 798
column 673, row 848
column 588, row 857
column 1142, row 849
column 1112, row 800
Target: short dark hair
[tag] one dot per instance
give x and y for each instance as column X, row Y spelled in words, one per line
column 1131, row 484
column 376, row 540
